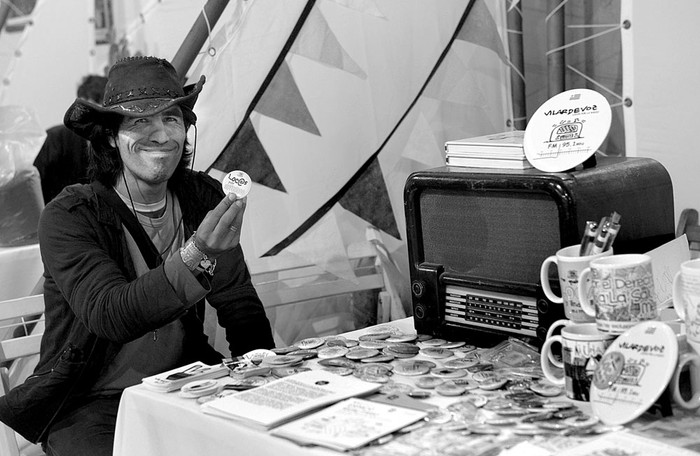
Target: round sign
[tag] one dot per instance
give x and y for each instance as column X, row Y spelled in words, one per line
column 566, row 130
column 634, row 372
column 236, row 182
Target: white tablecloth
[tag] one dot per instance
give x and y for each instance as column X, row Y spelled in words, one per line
column 20, row 270
column 154, row 424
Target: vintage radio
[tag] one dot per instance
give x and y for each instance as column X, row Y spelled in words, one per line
column 477, row 238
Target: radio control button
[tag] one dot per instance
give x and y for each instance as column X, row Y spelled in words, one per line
column 418, row 288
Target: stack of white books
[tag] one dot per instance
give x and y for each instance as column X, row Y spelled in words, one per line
column 498, row 150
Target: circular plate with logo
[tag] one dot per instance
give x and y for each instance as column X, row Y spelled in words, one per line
column 633, row 372
column 566, row 130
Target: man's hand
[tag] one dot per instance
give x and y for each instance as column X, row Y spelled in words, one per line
column 221, row 228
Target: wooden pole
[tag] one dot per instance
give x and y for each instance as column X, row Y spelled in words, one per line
column 517, row 82
column 556, row 63
column 197, row 36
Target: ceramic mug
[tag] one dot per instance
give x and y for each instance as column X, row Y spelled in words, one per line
column 686, row 299
column 582, row 347
column 688, row 361
column 622, row 288
column 569, row 266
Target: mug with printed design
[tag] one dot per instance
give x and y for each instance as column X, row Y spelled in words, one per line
column 582, row 347
column 569, row 266
column 622, row 291
column 686, row 299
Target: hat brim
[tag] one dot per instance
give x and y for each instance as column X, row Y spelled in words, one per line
column 83, row 115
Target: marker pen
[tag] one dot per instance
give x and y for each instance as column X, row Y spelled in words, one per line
column 601, row 236
column 588, row 238
column 613, row 229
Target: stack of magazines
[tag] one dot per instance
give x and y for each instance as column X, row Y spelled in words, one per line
column 498, row 150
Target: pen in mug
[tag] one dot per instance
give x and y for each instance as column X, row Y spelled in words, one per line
column 613, row 229
column 601, row 236
column 588, row 238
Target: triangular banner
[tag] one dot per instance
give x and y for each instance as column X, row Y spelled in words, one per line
column 283, row 101
column 368, row 198
column 318, row 42
column 246, row 152
column 481, row 29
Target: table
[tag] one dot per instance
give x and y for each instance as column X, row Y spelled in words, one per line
column 150, row 423
column 20, row 270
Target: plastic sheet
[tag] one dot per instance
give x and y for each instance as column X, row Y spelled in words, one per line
column 21, row 201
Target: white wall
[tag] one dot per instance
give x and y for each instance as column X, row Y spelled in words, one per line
column 661, row 70
column 42, row 66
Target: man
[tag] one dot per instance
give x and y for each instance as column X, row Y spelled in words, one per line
column 63, row 158
column 128, row 261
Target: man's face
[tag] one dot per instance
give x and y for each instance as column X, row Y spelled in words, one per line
column 151, row 147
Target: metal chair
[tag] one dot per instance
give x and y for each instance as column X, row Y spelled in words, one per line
column 22, row 323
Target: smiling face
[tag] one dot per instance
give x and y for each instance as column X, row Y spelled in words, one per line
column 150, row 149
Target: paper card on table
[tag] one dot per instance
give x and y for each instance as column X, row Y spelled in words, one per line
column 666, row 262
column 175, row 379
column 626, row 443
column 350, row 424
column 288, row 398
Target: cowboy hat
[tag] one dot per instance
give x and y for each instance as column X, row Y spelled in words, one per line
column 136, row 87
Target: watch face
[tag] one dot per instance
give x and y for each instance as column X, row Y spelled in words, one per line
column 208, row 266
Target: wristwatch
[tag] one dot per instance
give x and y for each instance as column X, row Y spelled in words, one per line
column 195, row 259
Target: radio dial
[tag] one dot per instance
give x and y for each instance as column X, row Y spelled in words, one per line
column 418, row 288
column 419, row 312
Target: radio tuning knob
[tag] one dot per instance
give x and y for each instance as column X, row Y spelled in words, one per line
column 418, row 288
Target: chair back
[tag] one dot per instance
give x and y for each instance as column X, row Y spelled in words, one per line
column 688, row 225
column 21, row 329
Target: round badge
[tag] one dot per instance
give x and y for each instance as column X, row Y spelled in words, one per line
column 446, row 372
column 376, row 344
column 310, row 343
column 418, row 394
column 305, row 354
column 461, row 363
column 199, row 388
column 340, row 370
column 402, row 337
column 395, row 388
column 567, row 129
column 433, row 342
column 609, row 369
column 450, row 389
column 383, row 358
column 436, row 352
column 634, row 372
column 331, row 352
column 429, row 382
column 374, row 336
column 255, row 356
column 237, row 182
column 337, row 362
column 282, row 360
column 357, row 353
column 280, row 372
column 403, row 348
column 412, row 368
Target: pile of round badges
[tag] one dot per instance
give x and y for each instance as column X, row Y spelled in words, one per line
column 417, row 367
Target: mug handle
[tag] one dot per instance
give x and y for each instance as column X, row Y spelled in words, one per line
column 583, row 291
column 544, row 279
column 545, row 355
column 678, row 296
column 693, row 359
column 550, row 333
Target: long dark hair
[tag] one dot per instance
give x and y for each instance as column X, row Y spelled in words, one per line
column 104, row 162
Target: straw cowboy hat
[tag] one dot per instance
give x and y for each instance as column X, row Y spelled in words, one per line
column 136, row 87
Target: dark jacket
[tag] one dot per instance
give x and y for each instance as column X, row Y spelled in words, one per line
column 95, row 302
